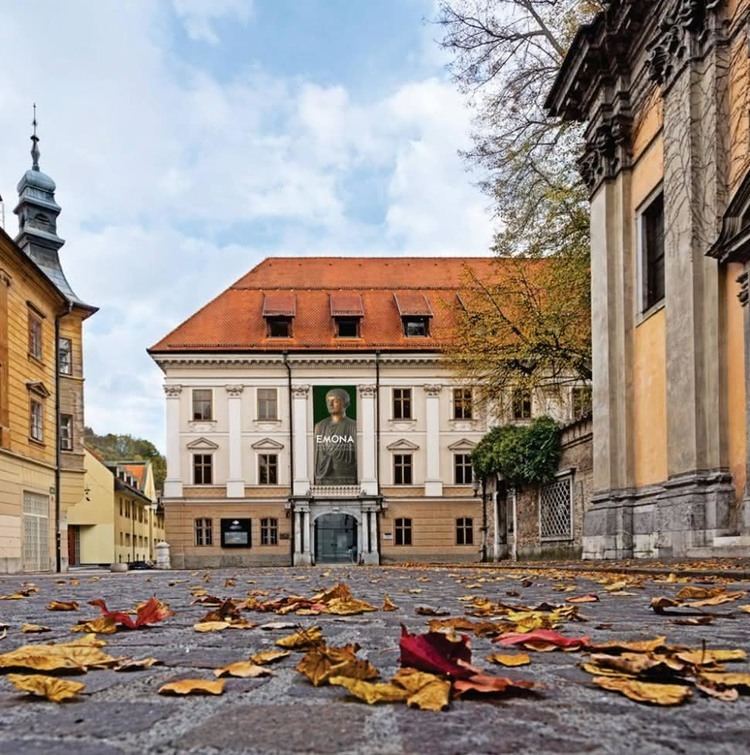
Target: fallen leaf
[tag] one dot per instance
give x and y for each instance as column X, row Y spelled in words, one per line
column 268, row 656
column 430, row 611
column 720, row 692
column 150, row 612
column 488, row 684
column 54, row 657
column 369, row 692
column 62, row 605
column 435, row 652
column 389, row 605
column 588, row 598
column 693, row 621
column 629, row 646
column 130, row 664
column 275, row 625
column 193, row 687
column 34, row 629
column 100, row 625
column 703, row 657
column 645, row 692
column 302, row 639
column 348, row 607
column 425, row 691
column 322, row 662
column 543, row 639
column 243, row 669
column 521, row 659
column 50, row 687
column 728, row 678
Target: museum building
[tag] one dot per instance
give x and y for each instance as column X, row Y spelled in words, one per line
column 311, row 417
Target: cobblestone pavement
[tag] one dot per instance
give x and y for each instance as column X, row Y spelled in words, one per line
column 122, row 712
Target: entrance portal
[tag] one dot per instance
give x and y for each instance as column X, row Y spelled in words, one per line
column 335, row 539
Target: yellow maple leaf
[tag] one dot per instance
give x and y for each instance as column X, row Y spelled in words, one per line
column 369, row 692
column 426, row 691
column 268, row 656
column 34, row 629
column 645, row 692
column 701, row 657
column 50, row 687
column 243, row 669
column 193, row 687
column 53, row 657
column 388, row 604
column 521, row 659
column 302, row 639
column 62, row 605
column 100, row 625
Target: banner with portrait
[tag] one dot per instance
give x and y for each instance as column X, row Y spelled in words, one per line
column 335, row 434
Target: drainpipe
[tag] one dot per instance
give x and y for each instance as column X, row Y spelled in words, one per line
column 484, row 519
column 377, row 419
column 514, row 552
column 292, row 512
column 58, row 539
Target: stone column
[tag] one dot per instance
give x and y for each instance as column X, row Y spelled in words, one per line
column 307, row 556
column 173, row 482
column 301, row 484
column 297, row 534
column 433, row 484
column 369, row 482
column 364, row 533
column 303, row 535
column 744, row 296
column 235, row 480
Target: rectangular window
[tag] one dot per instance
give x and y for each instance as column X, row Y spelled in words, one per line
column 580, row 400
column 556, row 509
column 521, row 404
column 66, row 432
column 203, row 532
column 462, row 403
column 403, row 532
column 267, row 404
column 202, row 404
column 279, row 327
column 203, row 469
column 402, row 403
column 652, row 239
column 36, row 420
column 347, row 327
column 65, row 356
column 465, row 531
column 269, row 531
column 402, row 469
column 416, row 326
column 462, row 469
column 120, row 506
column 35, row 335
column 268, row 469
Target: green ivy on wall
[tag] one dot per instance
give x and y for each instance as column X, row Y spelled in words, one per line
column 521, row 454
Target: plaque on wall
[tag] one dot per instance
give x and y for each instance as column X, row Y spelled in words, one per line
column 235, row 533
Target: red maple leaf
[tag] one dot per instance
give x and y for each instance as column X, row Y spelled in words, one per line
column 436, row 653
column 543, row 637
column 150, row 612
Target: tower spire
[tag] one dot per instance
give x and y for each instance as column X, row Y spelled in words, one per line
column 34, row 144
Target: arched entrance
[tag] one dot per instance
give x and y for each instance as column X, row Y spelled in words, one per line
column 336, row 539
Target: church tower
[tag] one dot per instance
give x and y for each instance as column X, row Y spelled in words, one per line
column 37, row 213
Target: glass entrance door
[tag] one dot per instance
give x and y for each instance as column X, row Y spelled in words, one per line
column 335, row 539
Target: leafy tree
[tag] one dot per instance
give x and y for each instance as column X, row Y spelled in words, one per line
column 114, row 447
column 506, row 54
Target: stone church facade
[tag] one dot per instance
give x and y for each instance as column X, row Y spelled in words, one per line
column 663, row 89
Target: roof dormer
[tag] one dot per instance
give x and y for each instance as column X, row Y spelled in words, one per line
column 279, row 310
column 415, row 311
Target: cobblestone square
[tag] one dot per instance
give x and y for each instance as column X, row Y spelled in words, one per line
column 123, row 713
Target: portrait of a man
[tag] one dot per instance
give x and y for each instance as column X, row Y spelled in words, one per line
column 336, row 442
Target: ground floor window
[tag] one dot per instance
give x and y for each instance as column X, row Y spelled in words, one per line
column 269, row 531
column 464, row 531
column 403, row 531
column 203, row 532
column 556, row 509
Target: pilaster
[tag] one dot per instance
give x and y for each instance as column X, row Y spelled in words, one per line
column 235, row 480
column 301, row 484
column 433, row 484
column 173, row 481
column 369, row 482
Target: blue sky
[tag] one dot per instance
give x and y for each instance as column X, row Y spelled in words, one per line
column 190, row 139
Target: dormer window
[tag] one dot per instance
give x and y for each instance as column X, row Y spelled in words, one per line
column 415, row 311
column 279, row 309
column 347, row 311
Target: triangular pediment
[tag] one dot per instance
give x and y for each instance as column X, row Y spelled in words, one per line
column 403, row 445
column 39, row 388
column 202, row 444
column 267, row 444
column 462, row 445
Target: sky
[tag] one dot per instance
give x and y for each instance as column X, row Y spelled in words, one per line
column 190, row 139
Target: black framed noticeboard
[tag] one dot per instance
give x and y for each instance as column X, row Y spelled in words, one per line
column 235, row 533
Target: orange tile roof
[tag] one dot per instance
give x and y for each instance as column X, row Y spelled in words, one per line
column 234, row 320
column 137, row 471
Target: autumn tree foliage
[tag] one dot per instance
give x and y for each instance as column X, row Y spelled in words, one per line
column 534, row 323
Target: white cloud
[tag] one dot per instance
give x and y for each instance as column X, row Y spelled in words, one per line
column 199, row 16
column 158, row 164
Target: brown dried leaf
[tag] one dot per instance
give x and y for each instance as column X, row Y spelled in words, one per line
column 388, row 604
column 426, row 691
column 430, row 611
column 193, row 687
column 588, row 598
column 268, row 656
column 302, row 639
column 369, row 692
column 630, row 646
column 487, row 684
column 720, row 692
column 243, row 669
column 100, row 625
column 131, row 664
column 645, row 692
column 348, row 606
column 704, row 657
column 49, row 687
column 62, row 605
column 521, row 659
column 54, row 657
column 34, row 628
column 728, row 679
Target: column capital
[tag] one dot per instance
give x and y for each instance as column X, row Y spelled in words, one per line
column 367, row 391
column 300, row 391
column 173, row 391
column 234, row 391
column 433, row 390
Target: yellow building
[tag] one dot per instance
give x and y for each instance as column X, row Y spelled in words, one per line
column 664, row 92
column 41, row 384
column 118, row 519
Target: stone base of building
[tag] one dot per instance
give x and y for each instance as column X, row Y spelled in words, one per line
column 226, row 561
column 660, row 521
column 10, row 565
